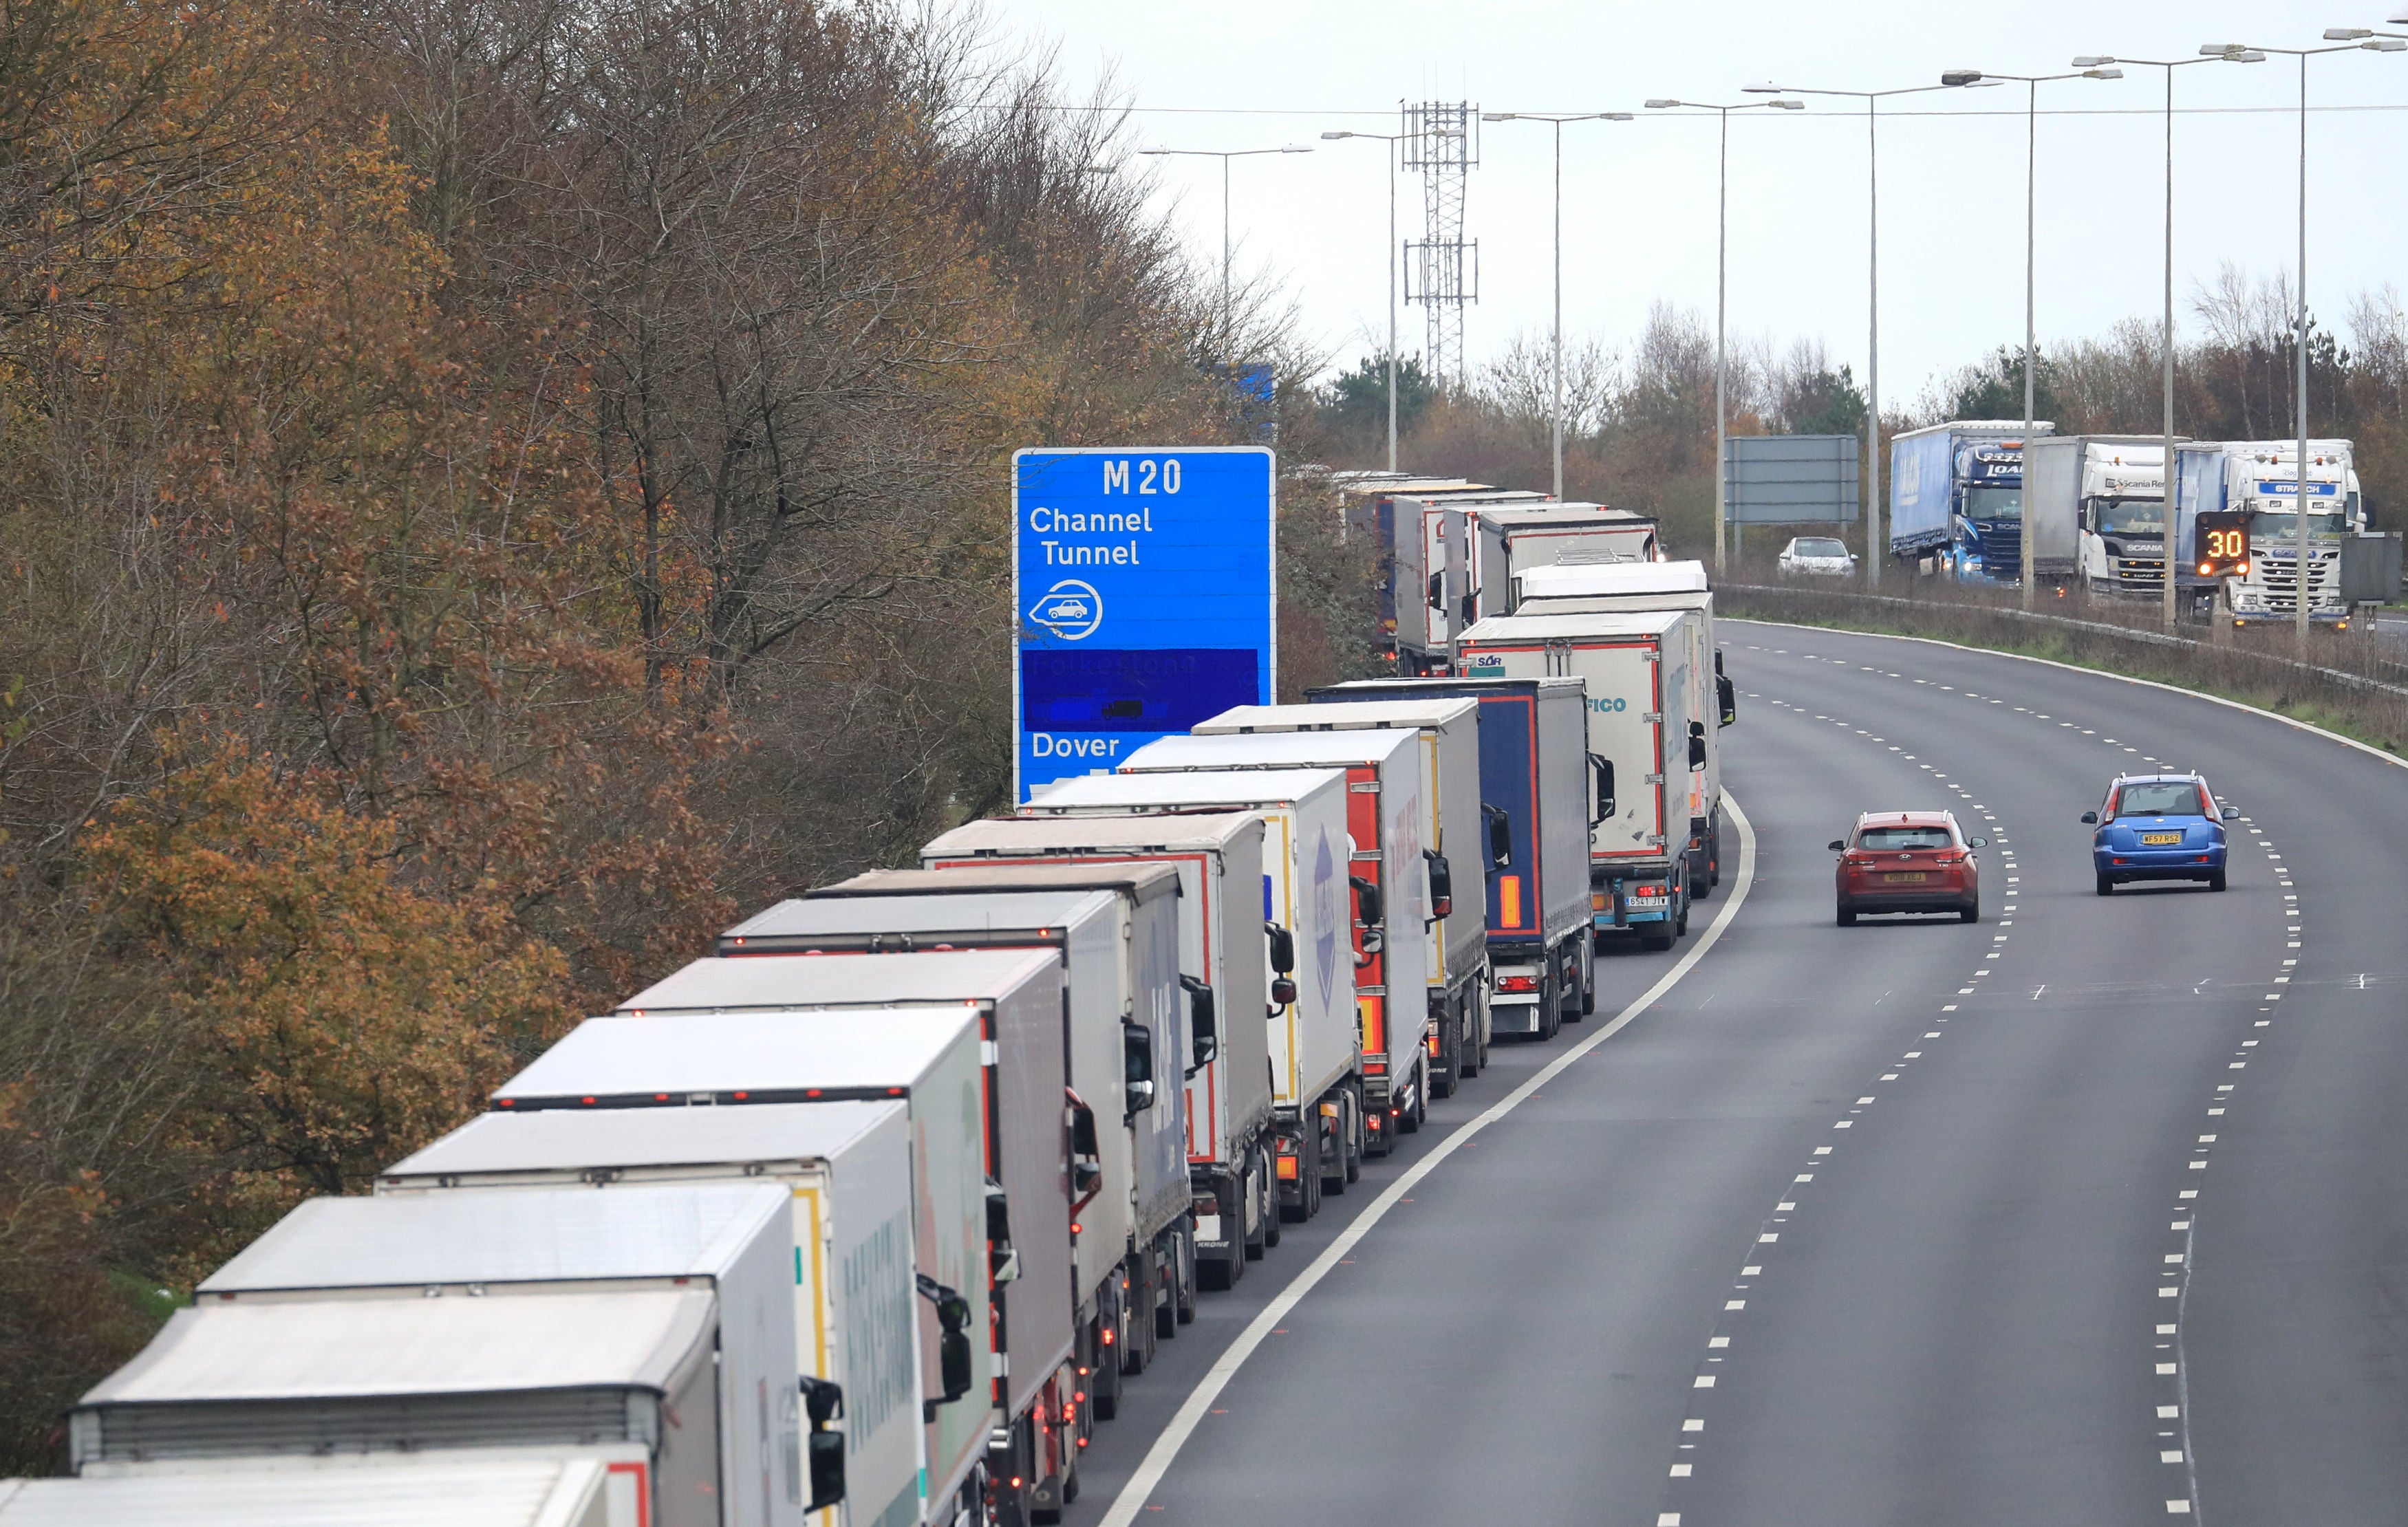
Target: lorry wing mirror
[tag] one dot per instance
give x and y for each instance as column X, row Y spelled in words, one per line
column 1603, row 768
column 824, row 1402
column 1003, row 1261
column 1437, row 591
column 1086, row 1153
column 1136, row 1055
column 1282, row 991
column 1441, row 884
column 1468, row 603
column 1282, row 948
column 1725, row 692
column 1368, row 907
column 1500, row 835
column 1697, row 746
column 1204, row 1033
column 953, row 1346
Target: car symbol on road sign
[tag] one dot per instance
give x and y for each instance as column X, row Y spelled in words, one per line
column 1070, row 609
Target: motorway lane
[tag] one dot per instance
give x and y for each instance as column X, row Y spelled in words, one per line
column 1958, row 1320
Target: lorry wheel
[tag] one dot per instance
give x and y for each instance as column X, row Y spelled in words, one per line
column 1333, row 1153
column 1358, row 1143
column 1655, row 943
column 1190, row 1279
column 1137, row 1303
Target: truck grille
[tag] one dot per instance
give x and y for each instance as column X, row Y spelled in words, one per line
column 2137, row 572
column 2280, row 582
column 2002, row 550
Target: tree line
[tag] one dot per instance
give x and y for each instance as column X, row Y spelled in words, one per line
column 494, row 487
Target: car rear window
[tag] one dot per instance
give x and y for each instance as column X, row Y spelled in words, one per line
column 2157, row 798
column 1903, row 838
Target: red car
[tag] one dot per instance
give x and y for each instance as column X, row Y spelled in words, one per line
column 1908, row 861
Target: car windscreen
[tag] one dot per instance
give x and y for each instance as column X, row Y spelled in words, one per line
column 1807, row 546
column 1881, row 839
column 2158, row 798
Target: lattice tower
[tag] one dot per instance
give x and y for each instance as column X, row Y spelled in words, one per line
column 1443, row 268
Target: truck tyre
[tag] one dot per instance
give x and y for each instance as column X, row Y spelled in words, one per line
column 1453, row 1024
column 1334, row 1176
column 1551, row 1009
column 1189, row 1279
column 2106, row 886
column 1138, row 1305
column 2215, row 882
column 1681, row 924
column 1656, row 942
column 1358, row 1142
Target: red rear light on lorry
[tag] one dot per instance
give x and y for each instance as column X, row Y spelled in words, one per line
column 1517, row 983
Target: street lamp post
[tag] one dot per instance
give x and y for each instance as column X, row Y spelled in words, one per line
column 1229, row 324
column 1722, row 296
column 2176, row 557
column 1959, row 79
column 1557, row 119
column 1872, row 99
column 1394, row 254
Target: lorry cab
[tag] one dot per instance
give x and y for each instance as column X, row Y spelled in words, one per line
column 1987, row 523
column 2261, row 481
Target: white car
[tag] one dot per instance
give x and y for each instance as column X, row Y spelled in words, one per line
column 1817, row 554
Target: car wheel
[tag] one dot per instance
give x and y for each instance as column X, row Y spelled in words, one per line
column 1968, row 914
column 2215, row 882
column 1847, row 919
column 2106, row 886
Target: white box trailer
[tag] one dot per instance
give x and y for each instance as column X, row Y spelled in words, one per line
column 1019, row 996
column 1429, row 546
column 1387, row 816
column 657, row 1321
column 1534, row 793
column 847, row 1170
column 1509, row 542
column 1313, row 1029
column 929, row 1060
column 533, row 1489
column 1643, row 737
column 1453, row 836
column 1661, row 586
column 1115, row 932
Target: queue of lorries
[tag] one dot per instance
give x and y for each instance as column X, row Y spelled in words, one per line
column 866, row 1218
column 1966, row 496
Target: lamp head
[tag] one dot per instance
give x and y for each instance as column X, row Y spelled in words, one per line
column 2232, row 52
column 2346, row 33
column 1613, row 116
column 1497, row 116
column 1960, row 77
column 2093, row 61
column 1331, row 136
column 1660, row 103
column 1787, row 105
column 1762, row 88
column 2102, row 74
column 1295, row 148
column 2385, row 45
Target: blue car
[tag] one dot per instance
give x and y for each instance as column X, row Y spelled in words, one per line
column 2159, row 827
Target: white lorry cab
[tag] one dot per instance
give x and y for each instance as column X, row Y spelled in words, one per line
column 1647, row 745
column 2257, row 487
column 654, row 1324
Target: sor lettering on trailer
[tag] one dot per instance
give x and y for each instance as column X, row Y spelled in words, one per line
column 1146, row 589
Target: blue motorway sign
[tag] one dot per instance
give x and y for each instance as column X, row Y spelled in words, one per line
column 1146, row 599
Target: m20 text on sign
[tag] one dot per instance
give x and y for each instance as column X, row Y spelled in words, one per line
column 1144, row 586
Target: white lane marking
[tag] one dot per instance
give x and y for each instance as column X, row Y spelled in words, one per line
column 2167, row 1413
column 1719, row 1341
column 1191, row 1411
column 1734, row 1303
column 1749, row 1272
column 1680, row 1471
column 1821, row 1150
column 1705, row 1380
column 1693, row 1424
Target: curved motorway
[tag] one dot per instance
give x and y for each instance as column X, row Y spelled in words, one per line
column 2087, row 1212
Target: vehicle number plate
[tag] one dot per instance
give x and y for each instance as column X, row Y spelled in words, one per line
column 1909, row 877
column 1642, row 902
column 2155, row 838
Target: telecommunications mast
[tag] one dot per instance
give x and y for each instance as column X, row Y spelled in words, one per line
column 1443, row 268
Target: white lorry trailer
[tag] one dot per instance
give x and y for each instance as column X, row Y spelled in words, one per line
column 1534, row 800
column 1431, row 576
column 1662, row 586
column 847, row 1170
column 1459, row 984
column 1645, row 742
column 1508, row 542
column 1020, row 995
column 566, row 1488
column 2256, row 486
column 656, row 1324
column 928, row 1059
column 1388, row 813
column 1313, row 1029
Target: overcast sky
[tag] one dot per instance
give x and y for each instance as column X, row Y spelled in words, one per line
column 1640, row 196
